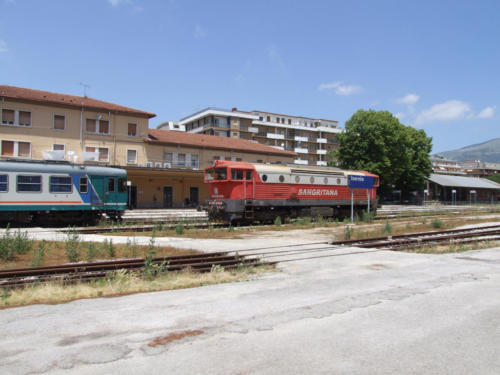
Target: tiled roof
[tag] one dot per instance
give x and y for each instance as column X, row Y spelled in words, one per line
column 38, row 96
column 212, row 141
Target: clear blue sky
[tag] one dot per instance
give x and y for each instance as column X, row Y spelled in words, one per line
column 436, row 64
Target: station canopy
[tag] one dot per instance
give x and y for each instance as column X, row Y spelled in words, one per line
column 463, row 182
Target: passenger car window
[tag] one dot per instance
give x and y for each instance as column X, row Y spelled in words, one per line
column 122, row 185
column 60, row 184
column 84, row 185
column 4, row 183
column 30, row 184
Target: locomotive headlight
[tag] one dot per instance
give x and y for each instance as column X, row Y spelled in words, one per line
column 216, row 190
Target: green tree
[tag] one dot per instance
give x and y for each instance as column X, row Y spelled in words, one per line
column 377, row 142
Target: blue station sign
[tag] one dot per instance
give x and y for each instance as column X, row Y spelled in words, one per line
column 359, row 182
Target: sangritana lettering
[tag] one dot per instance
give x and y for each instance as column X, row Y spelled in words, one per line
column 327, row 192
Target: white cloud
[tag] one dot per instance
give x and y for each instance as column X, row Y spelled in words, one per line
column 199, row 32
column 410, row 99
column 447, row 111
column 400, row 115
column 135, row 8
column 3, row 46
column 115, row 3
column 340, row 89
column 488, row 112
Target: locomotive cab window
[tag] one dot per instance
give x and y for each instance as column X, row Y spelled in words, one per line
column 4, row 183
column 248, row 175
column 84, row 185
column 220, row 174
column 122, row 185
column 111, row 185
column 60, row 184
column 236, row 174
column 29, row 184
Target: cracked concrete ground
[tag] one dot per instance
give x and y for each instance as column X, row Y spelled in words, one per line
column 361, row 312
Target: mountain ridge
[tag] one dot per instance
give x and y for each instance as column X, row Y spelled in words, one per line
column 488, row 151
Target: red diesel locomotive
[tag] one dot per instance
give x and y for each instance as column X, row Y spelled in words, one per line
column 246, row 192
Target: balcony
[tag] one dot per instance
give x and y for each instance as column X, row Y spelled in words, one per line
column 298, row 161
column 301, row 139
column 275, row 136
column 251, row 129
column 299, row 150
column 322, row 163
column 321, row 140
column 321, row 152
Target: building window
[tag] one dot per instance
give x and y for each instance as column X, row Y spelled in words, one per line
column 90, row 126
column 8, row 117
column 103, row 127
column 31, row 184
column 181, row 160
column 132, row 130
column 59, row 122
column 238, row 159
column 57, row 147
column 216, row 157
column 289, row 121
column 167, row 157
column 102, row 151
column 15, row 148
column 261, row 118
column 60, row 184
column 83, row 185
column 24, row 118
column 269, row 118
column 131, row 156
column 4, row 183
column 97, row 126
column 195, row 160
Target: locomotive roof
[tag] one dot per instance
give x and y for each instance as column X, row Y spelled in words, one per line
column 50, row 167
column 288, row 168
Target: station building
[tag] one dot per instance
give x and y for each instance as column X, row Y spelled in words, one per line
column 461, row 189
column 165, row 168
column 310, row 138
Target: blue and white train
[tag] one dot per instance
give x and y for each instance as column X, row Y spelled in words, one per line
column 60, row 193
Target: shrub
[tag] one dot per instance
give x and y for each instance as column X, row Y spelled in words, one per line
column 347, row 232
column 110, row 248
column 21, row 243
column 91, row 252
column 367, row 216
column 277, row 221
column 6, row 249
column 436, row 223
column 179, row 229
column 38, row 254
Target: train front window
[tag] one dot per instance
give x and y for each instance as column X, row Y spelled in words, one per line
column 220, row 174
column 236, row 174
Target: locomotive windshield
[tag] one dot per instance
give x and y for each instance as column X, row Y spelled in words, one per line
column 216, row 174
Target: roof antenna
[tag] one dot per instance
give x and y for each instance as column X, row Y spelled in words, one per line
column 85, row 87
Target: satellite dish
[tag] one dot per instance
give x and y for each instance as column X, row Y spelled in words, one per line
column 98, row 116
column 71, row 153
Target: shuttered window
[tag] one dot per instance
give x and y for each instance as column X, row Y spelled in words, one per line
column 8, row 116
column 24, row 118
column 59, row 122
column 24, row 149
column 90, row 126
column 132, row 130
column 103, row 127
column 7, row 148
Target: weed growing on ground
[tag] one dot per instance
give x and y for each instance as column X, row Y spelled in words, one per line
column 367, row 217
column 21, row 242
column 6, row 250
column 347, row 232
column 387, row 228
column 436, row 223
column 38, row 254
column 91, row 252
column 179, row 229
column 110, row 248
column 230, row 228
column 277, row 221
column 72, row 243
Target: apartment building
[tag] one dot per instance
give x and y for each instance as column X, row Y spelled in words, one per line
column 44, row 125
column 309, row 138
column 442, row 165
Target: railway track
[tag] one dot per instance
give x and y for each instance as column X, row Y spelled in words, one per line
column 70, row 273
column 426, row 238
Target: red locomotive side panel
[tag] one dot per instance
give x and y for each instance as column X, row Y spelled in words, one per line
column 245, row 189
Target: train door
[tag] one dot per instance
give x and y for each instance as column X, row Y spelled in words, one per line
column 132, row 197
column 99, row 184
column 168, row 194
column 248, row 184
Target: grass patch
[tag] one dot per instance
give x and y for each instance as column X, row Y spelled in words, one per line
column 120, row 283
column 454, row 247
